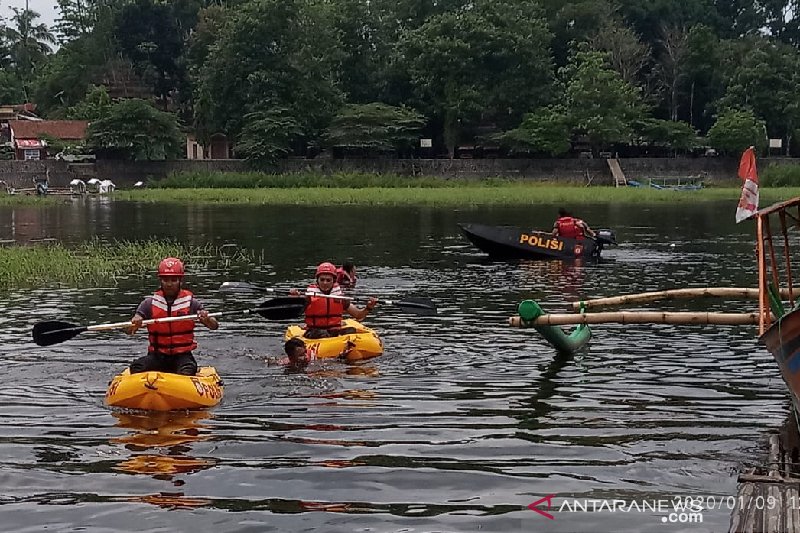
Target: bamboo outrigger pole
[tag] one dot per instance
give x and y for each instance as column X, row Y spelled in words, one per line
column 638, row 317
column 674, row 294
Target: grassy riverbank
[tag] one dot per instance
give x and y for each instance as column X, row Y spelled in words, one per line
column 469, row 194
column 93, row 262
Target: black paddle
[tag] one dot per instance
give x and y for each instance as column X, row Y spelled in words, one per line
column 52, row 332
column 418, row 306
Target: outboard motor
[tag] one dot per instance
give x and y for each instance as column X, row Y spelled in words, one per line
column 605, row 236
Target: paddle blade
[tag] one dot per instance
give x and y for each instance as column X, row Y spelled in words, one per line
column 52, row 332
column 418, row 306
column 282, row 308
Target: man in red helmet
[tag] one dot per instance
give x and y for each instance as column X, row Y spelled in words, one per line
column 171, row 343
column 324, row 315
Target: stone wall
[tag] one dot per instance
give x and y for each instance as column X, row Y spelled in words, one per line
column 713, row 170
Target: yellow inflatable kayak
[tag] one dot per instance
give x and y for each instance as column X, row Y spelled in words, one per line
column 162, row 391
column 362, row 344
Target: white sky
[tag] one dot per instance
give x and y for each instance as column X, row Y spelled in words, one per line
column 47, row 9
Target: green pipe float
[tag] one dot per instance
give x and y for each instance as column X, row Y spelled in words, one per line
column 561, row 341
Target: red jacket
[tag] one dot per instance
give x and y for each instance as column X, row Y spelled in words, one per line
column 171, row 338
column 325, row 313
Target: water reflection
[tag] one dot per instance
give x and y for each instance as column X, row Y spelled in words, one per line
column 537, row 407
column 167, row 438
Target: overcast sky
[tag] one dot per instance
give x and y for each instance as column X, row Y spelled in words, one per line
column 47, row 9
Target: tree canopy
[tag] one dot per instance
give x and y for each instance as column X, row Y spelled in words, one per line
column 536, row 75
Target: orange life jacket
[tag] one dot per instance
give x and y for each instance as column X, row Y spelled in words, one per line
column 344, row 279
column 568, row 227
column 171, row 338
column 324, row 313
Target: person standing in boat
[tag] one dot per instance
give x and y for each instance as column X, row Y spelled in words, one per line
column 571, row 227
column 324, row 314
column 171, row 343
column 346, row 275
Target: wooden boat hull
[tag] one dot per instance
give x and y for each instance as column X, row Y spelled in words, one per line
column 162, row 391
column 509, row 242
column 783, row 342
column 363, row 344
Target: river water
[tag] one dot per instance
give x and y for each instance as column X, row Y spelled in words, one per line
column 459, row 426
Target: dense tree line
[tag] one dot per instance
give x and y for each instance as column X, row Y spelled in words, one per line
column 532, row 76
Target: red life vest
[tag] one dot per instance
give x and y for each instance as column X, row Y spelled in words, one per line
column 171, row 338
column 343, row 278
column 568, row 227
column 325, row 313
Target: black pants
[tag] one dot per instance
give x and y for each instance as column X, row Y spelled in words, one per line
column 174, row 364
column 319, row 333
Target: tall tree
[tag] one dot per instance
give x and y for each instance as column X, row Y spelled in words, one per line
column 486, row 61
column 147, row 33
column 281, row 54
column 673, row 50
column 577, row 21
column 738, row 18
column 767, row 80
column 735, row 130
column 29, row 44
column 79, row 18
column 134, row 129
column 782, row 17
column 704, row 77
column 598, row 102
column 627, row 54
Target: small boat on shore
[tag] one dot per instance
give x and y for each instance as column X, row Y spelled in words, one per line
column 510, row 242
column 362, row 343
column 162, row 391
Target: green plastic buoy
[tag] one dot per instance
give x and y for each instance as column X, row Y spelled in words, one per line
column 529, row 310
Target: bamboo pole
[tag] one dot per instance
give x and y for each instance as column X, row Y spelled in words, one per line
column 763, row 303
column 673, row 294
column 639, row 317
column 785, row 231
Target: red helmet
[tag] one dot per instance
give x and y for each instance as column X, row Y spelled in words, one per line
column 326, row 268
column 170, row 266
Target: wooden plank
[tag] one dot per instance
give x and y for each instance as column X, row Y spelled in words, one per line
column 772, row 508
column 741, row 518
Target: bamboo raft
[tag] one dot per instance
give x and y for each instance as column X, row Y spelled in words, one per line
column 531, row 314
column 768, row 499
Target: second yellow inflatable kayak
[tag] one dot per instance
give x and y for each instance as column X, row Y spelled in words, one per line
column 363, row 344
column 162, row 391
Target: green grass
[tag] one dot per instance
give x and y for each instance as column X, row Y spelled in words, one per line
column 343, row 180
column 471, row 195
column 780, row 176
column 30, row 199
column 93, row 262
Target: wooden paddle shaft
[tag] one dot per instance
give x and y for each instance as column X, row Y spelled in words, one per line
column 639, row 317
column 674, row 294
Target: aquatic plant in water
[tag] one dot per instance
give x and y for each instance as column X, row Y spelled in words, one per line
column 96, row 261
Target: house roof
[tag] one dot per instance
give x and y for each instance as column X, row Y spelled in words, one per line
column 60, row 129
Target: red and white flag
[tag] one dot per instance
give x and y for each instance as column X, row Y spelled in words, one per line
column 748, row 203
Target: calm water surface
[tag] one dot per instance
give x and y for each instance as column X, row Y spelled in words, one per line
column 459, row 426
